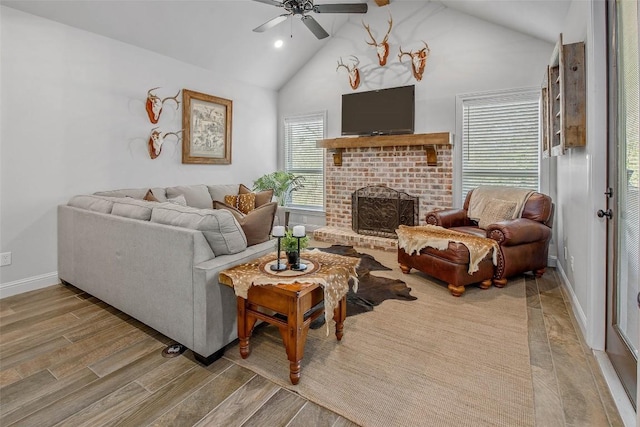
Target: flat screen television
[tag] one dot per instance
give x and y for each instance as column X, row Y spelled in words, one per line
column 379, row 112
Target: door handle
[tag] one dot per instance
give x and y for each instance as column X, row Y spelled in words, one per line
column 608, row 213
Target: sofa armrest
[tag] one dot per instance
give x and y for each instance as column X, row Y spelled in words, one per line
column 518, row 231
column 448, row 218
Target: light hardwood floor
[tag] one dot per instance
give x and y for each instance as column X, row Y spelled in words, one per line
column 69, row 359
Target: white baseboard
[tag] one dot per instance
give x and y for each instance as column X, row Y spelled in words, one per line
column 581, row 318
column 625, row 409
column 552, row 261
column 28, row 284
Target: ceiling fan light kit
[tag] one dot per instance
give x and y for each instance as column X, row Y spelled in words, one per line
column 302, row 8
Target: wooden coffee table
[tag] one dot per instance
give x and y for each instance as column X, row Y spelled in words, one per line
column 295, row 297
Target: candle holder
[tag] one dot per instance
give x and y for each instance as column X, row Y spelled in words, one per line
column 279, row 266
column 298, row 266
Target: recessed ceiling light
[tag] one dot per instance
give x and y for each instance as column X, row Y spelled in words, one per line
column 278, row 43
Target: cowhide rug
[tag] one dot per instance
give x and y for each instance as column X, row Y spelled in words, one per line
column 372, row 290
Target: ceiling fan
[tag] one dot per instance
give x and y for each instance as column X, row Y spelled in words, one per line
column 302, row 8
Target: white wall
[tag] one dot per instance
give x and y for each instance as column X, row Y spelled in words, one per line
column 73, row 121
column 467, row 55
column 581, row 182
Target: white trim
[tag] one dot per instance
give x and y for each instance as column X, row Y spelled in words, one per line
column 623, row 404
column 596, row 157
column 29, row 284
column 581, row 319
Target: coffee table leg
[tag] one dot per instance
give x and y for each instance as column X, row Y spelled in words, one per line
column 339, row 314
column 244, row 330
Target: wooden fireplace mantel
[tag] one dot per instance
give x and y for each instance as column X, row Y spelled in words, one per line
column 428, row 140
column 439, row 138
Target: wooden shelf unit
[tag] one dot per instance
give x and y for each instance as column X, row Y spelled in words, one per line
column 564, row 98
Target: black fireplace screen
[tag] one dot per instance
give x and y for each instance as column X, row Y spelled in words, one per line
column 379, row 210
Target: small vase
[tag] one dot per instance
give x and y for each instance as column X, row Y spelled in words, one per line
column 292, row 258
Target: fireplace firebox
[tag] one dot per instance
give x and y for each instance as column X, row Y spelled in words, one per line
column 378, row 210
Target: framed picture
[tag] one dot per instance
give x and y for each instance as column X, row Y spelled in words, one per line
column 206, row 124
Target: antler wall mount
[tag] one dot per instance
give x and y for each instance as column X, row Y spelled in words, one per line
column 154, row 104
column 418, row 60
column 382, row 48
column 353, row 71
column 156, row 140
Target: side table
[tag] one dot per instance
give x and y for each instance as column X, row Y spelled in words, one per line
column 297, row 298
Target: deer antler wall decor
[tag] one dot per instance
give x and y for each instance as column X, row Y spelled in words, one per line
column 353, row 71
column 154, row 104
column 418, row 60
column 157, row 139
column 382, row 48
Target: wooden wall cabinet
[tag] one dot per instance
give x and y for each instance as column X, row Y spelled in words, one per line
column 564, row 100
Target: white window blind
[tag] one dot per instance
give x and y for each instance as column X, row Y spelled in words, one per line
column 302, row 157
column 500, row 141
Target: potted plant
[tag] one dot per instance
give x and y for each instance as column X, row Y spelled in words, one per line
column 283, row 184
column 289, row 244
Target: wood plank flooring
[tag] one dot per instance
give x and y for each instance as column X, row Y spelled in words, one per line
column 68, row 359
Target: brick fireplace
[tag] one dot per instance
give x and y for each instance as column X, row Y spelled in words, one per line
column 401, row 167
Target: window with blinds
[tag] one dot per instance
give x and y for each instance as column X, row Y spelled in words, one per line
column 500, row 140
column 302, row 157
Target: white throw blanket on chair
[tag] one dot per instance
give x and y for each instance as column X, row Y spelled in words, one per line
column 490, row 204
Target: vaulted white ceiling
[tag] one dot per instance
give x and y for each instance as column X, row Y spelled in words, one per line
column 217, row 34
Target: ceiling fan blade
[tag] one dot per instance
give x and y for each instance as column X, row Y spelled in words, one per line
column 271, row 23
column 315, row 28
column 341, row 8
column 271, row 2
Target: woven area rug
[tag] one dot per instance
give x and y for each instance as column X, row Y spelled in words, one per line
column 435, row 361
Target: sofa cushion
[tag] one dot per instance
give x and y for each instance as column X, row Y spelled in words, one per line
column 262, row 197
column 178, row 200
column 257, row 224
column 92, row 203
column 134, row 193
column 133, row 208
column 496, row 210
column 217, row 192
column 219, row 227
column 197, row 196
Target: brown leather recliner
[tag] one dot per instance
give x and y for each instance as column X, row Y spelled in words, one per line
column 523, row 243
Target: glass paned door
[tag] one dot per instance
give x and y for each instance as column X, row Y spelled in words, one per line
column 624, row 224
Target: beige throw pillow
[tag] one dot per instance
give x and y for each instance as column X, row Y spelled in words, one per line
column 496, row 210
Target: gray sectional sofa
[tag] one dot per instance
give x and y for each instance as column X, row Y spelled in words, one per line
column 158, row 261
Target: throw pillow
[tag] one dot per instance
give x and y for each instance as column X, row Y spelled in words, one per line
column 178, row 200
column 262, row 197
column 495, row 211
column 257, row 224
column 150, row 197
column 197, row 196
column 245, row 203
column 236, row 213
